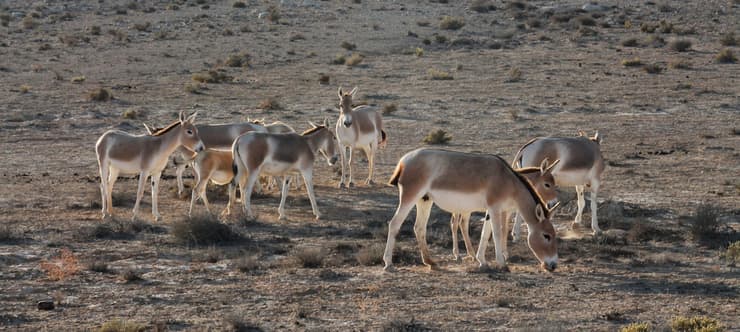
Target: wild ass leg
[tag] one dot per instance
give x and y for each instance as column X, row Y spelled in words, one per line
column 466, row 237
column 503, row 223
column 406, row 202
column 454, row 225
column 285, row 184
column 308, row 180
column 139, row 193
column 581, row 205
column 516, row 230
column 594, row 219
column 370, row 153
column 105, row 199
column 155, row 196
column 247, row 194
column 343, row 159
column 423, row 209
column 232, row 199
column 179, row 171
column 350, row 183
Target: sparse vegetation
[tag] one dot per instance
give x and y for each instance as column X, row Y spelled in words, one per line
column 324, row 78
column 451, row 23
column 9, row 234
column 634, row 62
column 389, row 109
column 61, row 267
column 131, row 275
column 637, row 327
column 440, row 75
column 121, row 325
column 348, row 46
column 339, row 59
column 269, row 104
column 212, row 76
column 441, row 39
column 24, row 88
column 419, row 52
column 98, row 266
column 514, row 75
column 586, row 20
column 130, row 114
column 680, row 64
column 100, row 94
column 696, row 324
column 437, row 137
column 237, row 60
column 273, row 14
column 726, row 56
column 370, row 255
column 248, row 264
column 192, row 88
column 630, row 42
column 310, row 257
column 403, row 325
column 354, row 60
column 203, row 230
column 482, row 6
column 732, row 254
column 728, row 39
column 143, row 27
column 653, row 68
column 705, row 223
column 679, row 45
column 239, row 4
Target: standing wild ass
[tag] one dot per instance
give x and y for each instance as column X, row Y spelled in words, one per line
column 462, row 183
column 542, row 181
column 359, row 127
column 581, row 165
column 120, row 152
column 279, row 155
column 212, row 166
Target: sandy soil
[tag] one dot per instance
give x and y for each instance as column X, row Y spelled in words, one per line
column 672, row 141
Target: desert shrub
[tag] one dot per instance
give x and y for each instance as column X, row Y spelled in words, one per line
column 273, row 14
column 9, row 234
column 236, row 323
column 339, row 59
column 370, row 255
column 634, row 62
column 679, row 64
column 309, row 257
column 212, row 76
column 419, row 52
column 441, row 39
column 98, row 266
column 5, row 19
column 389, row 109
column 655, row 41
column 354, row 60
column 438, row 136
column 239, row 4
column 297, row 36
column 441, row 75
column 100, row 94
column 212, row 255
column 653, row 68
column 324, row 78
column 666, row 27
column 95, row 30
column 130, row 114
column 237, row 60
column 131, row 275
column 203, row 230
column 679, row 45
column 119, row 35
column 696, row 324
column 648, row 27
column 586, row 20
column 120, row 325
column 348, row 46
column 482, row 6
column 534, row 23
column 637, row 327
column 269, row 104
column 630, row 42
column 705, row 223
column 192, row 88
column 402, row 325
column 514, row 75
column 248, row 264
column 24, row 88
column 451, row 23
column 29, row 22
column 516, row 5
column 726, row 56
column 142, row 26
column 732, row 254
column 62, row 266
column 728, row 39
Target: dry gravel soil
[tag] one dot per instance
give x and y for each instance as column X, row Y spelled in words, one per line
column 517, row 70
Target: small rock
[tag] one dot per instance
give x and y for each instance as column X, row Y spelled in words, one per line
column 594, row 7
column 45, row 305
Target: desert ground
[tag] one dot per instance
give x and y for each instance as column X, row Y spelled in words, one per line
column 647, row 76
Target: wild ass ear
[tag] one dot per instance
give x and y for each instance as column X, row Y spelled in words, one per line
column 149, row 130
column 191, row 118
column 582, row 133
column 539, row 213
column 551, row 166
column 339, row 92
column 352, row 93
column 182, row 117
column 596, row 138
column 552, row 209
column 544, row 165
column 313, row 125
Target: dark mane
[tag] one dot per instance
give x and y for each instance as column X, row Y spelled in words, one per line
column 164, row 130
column 527, row 184
column 312, row 130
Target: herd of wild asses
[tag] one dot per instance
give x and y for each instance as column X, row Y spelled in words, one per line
column 238, row 154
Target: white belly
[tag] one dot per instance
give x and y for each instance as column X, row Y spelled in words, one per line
column 127, row 167
column 459, row 202
column 222, row 177
column 276, row 168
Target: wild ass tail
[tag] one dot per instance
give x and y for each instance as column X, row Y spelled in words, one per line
column 383, row 138
column 396, row 174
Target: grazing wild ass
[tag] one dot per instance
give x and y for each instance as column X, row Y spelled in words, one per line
column 120, row 152
column 543, row 182
column 362, row 128
column 280, row 155
column 462, row 183
column 581, row 164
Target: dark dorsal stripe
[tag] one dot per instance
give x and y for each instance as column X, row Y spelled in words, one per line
column 527, row 170
column 164, row 130
column 527, row 184
column 312, row 130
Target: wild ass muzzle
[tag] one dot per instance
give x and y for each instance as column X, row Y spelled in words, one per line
column 461, row 183
column 581, row 165
column 358, row 128
column 281, row 155
column 120, row 152
column 543, row 182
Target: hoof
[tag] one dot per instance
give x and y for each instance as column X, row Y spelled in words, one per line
column 597, row 232
column 455, row 257
column 370, row 182
column 351, row 185
column 389, row 269
column 317, row 217
column 341, row 185
column 469, row 258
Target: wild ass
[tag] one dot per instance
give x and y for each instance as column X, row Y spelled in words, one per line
column 212, row 166
column 359, row 127
column 581, row 165
column 462, row 183
column 278, row 127
column 120, row 152
column 279, row 155
column 542, row 181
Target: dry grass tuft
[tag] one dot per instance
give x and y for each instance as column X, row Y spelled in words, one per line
column 630, row 42
column 725, row 56
column 482, row 6
column 439, row 75
column 324, row 78
column 143, row 27
column 78, row 79
column 389, row 109
column 61, row 267
column 634, row 62
column 419, row 52
column 9, row 234
column 192, row 88
column 680, row 45
column 728, row 39
column 235, row 322
column 402, row 325
column 248, row 264
column 438, row 136
column 705, row 224
column 370, row 255
column 309, row 257
column 212, row 76
column 203, row 230
column 273, row 14
column 239, row 4
column 348, row 46
column 98, row 266
column 732, row 254
column 680, row 64
column 237, row 60
column 130, row 114
column 340, row 59
column 354, row 60
column 120, row 325
column 101, row 94
column 653, row 68
column 130, row 275
column 514, row 75
column 269, row 104
column 637, row 327
column 451, row 23
column 696, row 324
